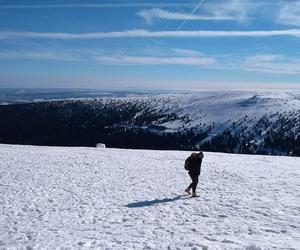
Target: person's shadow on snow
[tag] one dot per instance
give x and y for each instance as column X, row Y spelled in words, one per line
column 153, row 202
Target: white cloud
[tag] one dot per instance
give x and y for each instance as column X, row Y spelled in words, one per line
column 37, row 52
column 238, row 9
column 265, row 63
column 262, row 58
column 147, row 60
column 229, row 10
column 278, row 64
column 150, row 15
column 145, row 56
column 187, row 52
column 277, row 67
column 149, row 34
column 98, row 5
column 290, row 14
column 38, row 55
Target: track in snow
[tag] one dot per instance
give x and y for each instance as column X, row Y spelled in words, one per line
column 129, row 199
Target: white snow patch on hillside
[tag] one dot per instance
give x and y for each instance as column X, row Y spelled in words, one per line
column 220, row 107
column 71, row 198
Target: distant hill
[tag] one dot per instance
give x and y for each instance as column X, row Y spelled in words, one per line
column 252, row 122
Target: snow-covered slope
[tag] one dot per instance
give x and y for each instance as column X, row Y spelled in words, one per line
column 71, row 198
column 220, row 109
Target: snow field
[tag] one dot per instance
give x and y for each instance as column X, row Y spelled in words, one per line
column 89, row 198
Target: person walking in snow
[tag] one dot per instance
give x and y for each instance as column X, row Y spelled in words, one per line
column 193, row 165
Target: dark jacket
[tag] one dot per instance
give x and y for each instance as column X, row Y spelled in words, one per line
column 194, row 165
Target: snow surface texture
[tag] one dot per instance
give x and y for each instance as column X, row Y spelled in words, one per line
column 71, row 198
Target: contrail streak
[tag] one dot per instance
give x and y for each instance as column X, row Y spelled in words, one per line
column 188, row 18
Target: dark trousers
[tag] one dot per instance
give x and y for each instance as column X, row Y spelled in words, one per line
column 194, row 183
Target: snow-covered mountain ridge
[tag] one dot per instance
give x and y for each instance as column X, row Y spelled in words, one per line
column 256, row 119
column 218, row 108
column 89, row 198
column 256, row 122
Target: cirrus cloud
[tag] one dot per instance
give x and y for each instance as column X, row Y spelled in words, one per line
column 289, row 14
column 228, row 10
column 96, row 5
column 272, row 63
column 157, row 13
column 148, row 34
column 150, row 60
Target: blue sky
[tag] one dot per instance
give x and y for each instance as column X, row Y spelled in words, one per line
column 120, row 44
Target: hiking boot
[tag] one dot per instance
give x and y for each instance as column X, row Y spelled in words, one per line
column 188, row 190
column 195, row 195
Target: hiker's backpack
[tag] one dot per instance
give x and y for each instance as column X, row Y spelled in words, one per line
column 187, row 163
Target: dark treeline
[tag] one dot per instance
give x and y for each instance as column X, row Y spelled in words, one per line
column 77, row 124
column 116, row 124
